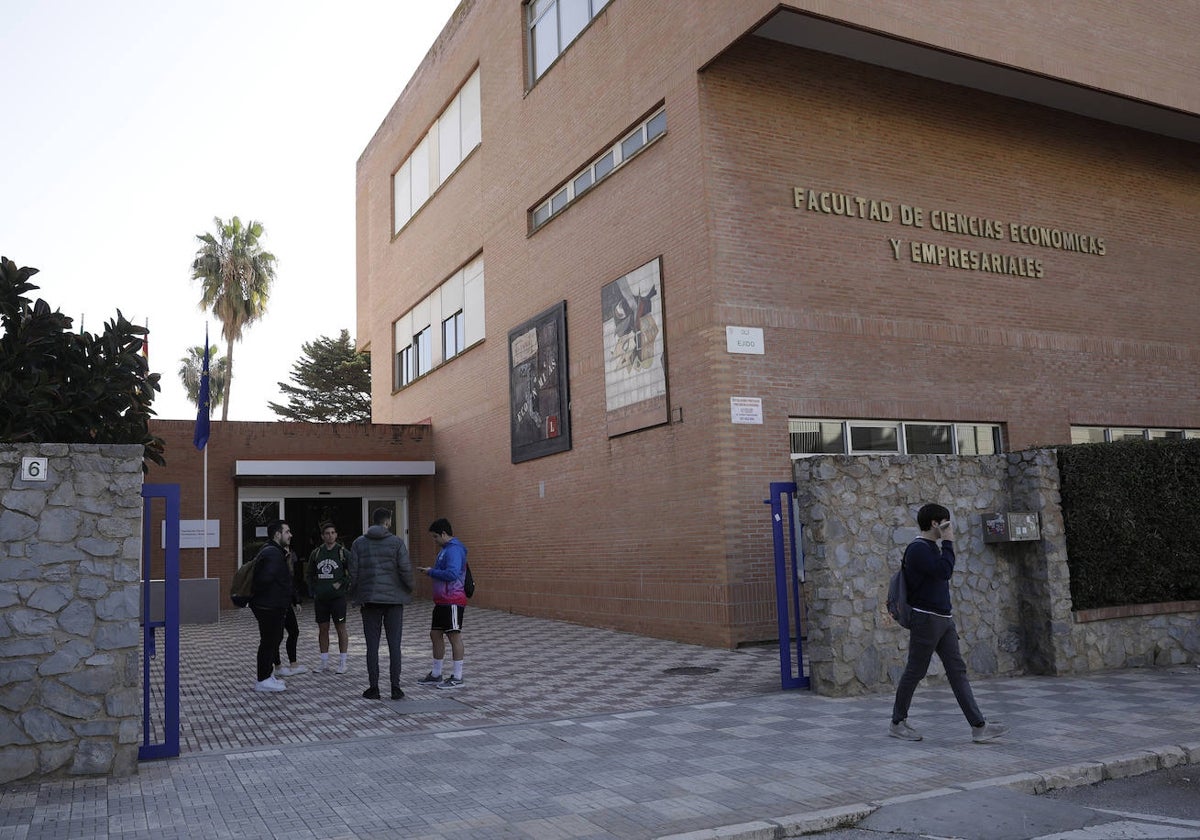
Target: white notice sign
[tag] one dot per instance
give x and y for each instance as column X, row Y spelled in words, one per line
column 745, row 340
column 191, row 533
column 746, row 410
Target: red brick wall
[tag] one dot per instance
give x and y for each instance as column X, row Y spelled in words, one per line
column 663, row 531
column 232, row 441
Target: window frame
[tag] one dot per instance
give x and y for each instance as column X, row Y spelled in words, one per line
column 957, row 430
column 458, row 322
column 613, row 157
column 534, row 18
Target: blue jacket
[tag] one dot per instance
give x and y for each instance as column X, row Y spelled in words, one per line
column 448, row 574
column 927, row 571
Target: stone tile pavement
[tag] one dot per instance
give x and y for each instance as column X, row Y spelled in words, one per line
column 570, row 732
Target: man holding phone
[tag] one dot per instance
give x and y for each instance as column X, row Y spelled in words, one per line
column 928, row 567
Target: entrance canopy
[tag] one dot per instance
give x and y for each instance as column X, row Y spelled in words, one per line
column 330, row 469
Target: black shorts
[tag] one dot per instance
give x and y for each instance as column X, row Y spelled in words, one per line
column 334, row 607
column 448, row 617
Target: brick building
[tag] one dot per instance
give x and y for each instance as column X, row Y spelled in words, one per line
column 303, row 472
column 630, row 258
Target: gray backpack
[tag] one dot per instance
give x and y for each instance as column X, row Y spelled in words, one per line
column 897, row 598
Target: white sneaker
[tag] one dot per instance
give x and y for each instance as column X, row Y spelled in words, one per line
column 282, row 671
column 296, row 669
column 274, row 680
column 322, row 666
column 267, row 685
column 341, row 668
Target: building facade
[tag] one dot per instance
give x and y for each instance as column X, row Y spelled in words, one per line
column 629, row 259
column 306, row 473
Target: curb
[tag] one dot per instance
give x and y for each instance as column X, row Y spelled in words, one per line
column 1120, row 766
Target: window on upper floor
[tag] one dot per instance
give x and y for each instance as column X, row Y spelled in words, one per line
column 859, row 437
column 611, row 159
column 458, row 305
column 451, row 138
column 553, row 25
column 454, row 335
column 403, row 374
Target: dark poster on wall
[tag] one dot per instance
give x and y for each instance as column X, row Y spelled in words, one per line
column 537, row 385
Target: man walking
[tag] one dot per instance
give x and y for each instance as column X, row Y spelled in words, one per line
column 449, row 604
column 927, row 569
column 270, row 600
column 328, row 575
column 381, row 580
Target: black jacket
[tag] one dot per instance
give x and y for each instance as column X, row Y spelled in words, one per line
column 272, row 587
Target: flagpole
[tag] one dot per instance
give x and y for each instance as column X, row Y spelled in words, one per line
column 206, row 511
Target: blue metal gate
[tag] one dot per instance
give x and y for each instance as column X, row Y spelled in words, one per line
column 165, row 671
column 789, row 572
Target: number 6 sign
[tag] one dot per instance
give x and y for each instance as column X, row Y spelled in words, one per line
column 34, row 469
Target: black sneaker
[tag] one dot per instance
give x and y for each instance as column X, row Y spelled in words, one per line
column 429, row 679
column 450, row 682
column 397, row 694
column 371, row 694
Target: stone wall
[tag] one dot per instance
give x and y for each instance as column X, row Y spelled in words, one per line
column 70, row 678
column 1012, row 601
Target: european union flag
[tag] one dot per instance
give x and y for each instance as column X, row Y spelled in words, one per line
column 200, row 438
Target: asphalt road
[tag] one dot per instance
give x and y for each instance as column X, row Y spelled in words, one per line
column 1163, row 804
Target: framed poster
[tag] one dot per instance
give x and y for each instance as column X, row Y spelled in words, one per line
column 635, row 373
column 539, row 406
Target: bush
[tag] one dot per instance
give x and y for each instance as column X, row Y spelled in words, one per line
column 64, row 387
column 1132, row 521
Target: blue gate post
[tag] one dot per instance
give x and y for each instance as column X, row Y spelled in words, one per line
column 169, row 747
column 787, row 585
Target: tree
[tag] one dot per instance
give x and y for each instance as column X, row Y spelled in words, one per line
column 333, row 384
column 236, row 276
column 190, row 367
column 64, row 387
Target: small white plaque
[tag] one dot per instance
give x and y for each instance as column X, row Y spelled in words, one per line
column 34, row 469
column 745, row 340
column 746, row 410
column 192, row 533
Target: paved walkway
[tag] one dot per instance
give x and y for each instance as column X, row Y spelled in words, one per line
column 569, row 732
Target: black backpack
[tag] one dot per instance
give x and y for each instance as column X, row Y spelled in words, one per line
column 468, row 580
column 897, row 598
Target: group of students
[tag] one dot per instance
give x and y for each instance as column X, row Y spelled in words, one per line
column 375, row 573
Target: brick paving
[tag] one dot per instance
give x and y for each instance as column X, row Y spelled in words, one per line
column 570, row 732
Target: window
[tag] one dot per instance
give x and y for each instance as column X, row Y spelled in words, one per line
column 929, row 439
column 613, row 158
column 423, row 344
column 1105, row 434
column 404, row 369
column 553, row 25
column 874, row 438
column 458, row 305
column 858, row 437
column 454, row 334
column 451, row 138
column 813, row 437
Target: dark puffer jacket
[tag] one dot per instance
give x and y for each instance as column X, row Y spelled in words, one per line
column 272, row 587
column 380, row 571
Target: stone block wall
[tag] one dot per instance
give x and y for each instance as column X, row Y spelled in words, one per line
column 1012, row 601
column 70, row 578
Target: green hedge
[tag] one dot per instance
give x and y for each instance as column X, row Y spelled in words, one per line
column 1132, row 516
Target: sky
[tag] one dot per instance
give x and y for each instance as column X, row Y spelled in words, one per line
column 131, row 124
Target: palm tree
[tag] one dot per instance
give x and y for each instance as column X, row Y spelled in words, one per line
column 190, row 367
column 236, row 276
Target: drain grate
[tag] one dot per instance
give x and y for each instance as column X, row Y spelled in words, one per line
column 691, row 671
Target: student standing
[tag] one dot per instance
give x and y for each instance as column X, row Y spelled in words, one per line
column 381, row 580
column 270, row 600
column 449, row 606
column 328, row 576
